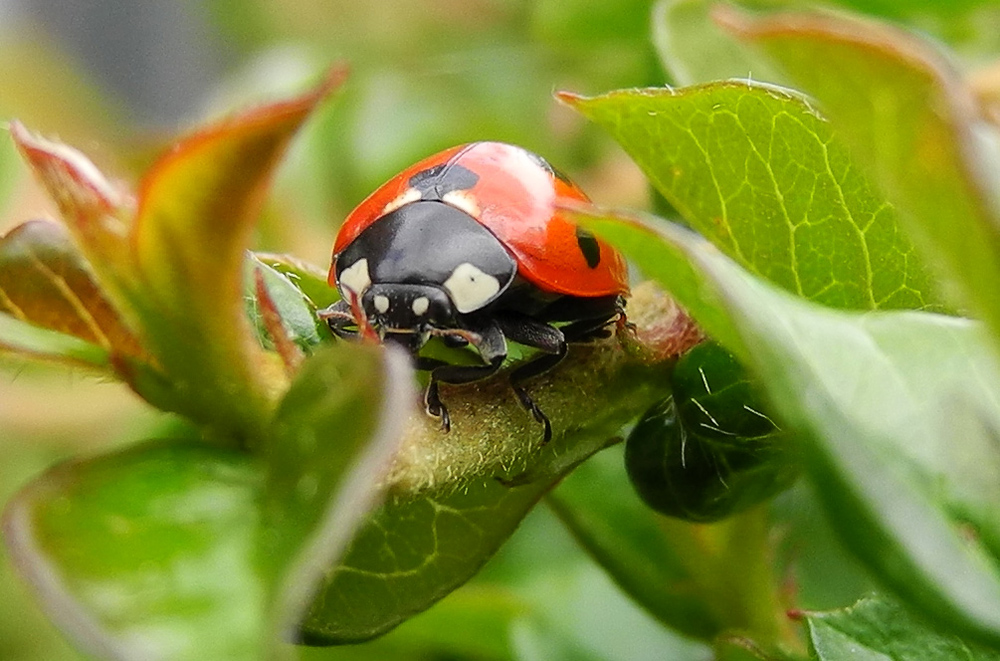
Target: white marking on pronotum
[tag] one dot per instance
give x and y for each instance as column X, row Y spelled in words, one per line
column 420, row 305
column 462, row 201
column 407, row 196
column 470, row 288
column 381, row 303
column 355, row 277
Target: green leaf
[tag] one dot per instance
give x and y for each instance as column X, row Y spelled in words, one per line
column 693, row 49
column 146, row 553
column 297, row 312
column 20, row 338
column 331, row 444
column 911, row 119
column 413, row 553
column 875, row 628
column 756, row 170
column 183, row 550
column 896, row 410
column 45, row 281
column 310, row 279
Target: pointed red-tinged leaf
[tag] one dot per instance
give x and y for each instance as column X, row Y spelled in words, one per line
column 197, row 208
column 94, row 208
column 44, row 280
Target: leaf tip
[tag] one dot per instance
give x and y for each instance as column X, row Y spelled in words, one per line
column 571, row 99
column 731, row 19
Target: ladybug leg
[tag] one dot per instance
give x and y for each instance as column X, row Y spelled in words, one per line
column 492, row 346
column 549, row 339
column 553, row 341
column 338, row 317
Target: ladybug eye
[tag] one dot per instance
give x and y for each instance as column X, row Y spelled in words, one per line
column 355, row 277
column 470, row 288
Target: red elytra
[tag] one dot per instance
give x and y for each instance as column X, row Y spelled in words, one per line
column 515, row 198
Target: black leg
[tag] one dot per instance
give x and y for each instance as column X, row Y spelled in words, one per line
column 539, row 335
column 489, row 341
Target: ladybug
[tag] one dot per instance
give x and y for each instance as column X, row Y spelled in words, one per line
column 469, row 245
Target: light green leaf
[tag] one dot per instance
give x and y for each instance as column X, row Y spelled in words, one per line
column 147, row 553
column 184, row 550
column 331, row 444
column 310, row 279
column 21, row 338
column 910, row 119
column 897, row 412
column 878, row 629
column 298, row 314
column 693, row 49
column 757, row 171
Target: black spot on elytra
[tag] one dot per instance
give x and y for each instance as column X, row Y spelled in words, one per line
column 436, row 182
column 589, row 247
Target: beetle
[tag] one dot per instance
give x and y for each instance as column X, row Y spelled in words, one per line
column 470, row 245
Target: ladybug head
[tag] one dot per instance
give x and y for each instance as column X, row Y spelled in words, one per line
column 394, row 308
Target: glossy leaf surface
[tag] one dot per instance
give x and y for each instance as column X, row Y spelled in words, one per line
column 759, row 172
column 877, row 399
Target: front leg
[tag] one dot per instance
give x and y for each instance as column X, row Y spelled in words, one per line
column 492, row 346
column 338, row 317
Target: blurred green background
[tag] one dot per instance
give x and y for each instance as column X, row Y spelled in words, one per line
column 117, row 78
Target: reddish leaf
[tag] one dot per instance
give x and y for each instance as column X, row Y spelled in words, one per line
column 45, row 281
column 94, row 209
column 197, row 208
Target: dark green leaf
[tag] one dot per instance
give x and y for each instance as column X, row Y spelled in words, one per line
column 875, row 628
column 912, row 121
column 756, row 170
column 412, row 554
